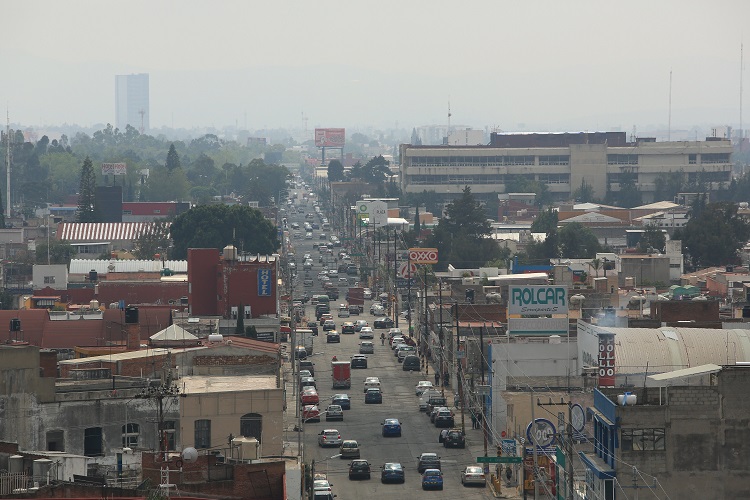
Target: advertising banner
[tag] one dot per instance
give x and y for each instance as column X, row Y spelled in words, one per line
column 330, row 137
column 374, row 210
column 114, row 168
column 423, row 255
column 606, row 360
column 538, row 300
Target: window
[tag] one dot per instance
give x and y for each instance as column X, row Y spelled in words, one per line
column 642, row 439
column 170, row 432
column 130, row 434
column 622, row 159
column 49, row 280
column 714, row 158
column 554, row 160
column 692, row 159
column 251, row 425
column 56, row 440
column 202, row 433
column 92, row 442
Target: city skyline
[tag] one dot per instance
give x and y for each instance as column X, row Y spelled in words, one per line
column 596, row 67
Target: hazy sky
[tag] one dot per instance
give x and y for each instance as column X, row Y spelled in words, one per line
column 538, row 65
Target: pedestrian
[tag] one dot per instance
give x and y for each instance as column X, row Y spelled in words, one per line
column 474, row 420
column 437, row 378
column 443, row 435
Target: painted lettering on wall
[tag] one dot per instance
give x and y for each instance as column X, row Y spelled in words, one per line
column 606, row 360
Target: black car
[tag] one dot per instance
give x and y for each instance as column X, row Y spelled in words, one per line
column 383, row 323
column 359, row 469
column 313, row 325
column 444, row 418
column 342, row 400
column 333, row 337
column 359, row 361
column 428, row 461
column 373, row 396
column 454, row 439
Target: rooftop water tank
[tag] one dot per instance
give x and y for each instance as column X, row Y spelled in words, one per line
column 216, row 337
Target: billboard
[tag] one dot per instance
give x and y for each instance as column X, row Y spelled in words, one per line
column 538, row 300
column 265, row 285
column 114, row 169
column 374, row 210
column 330, row 137
column 606, row 360
column 423, row 255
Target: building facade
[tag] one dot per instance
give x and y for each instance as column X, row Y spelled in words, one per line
column 604, row 160
column 132, row 102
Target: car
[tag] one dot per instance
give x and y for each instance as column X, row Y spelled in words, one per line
column 306, row 365
column 427, row 396
column 391, row 427
column 304, row 373
column 366, row 347
column 373, row 396
column 333, row 337
column 359, row 361
column 405, row 350
column 435, row 401
column 300, row 352
column 329, row 437
column 359, row 324
column 307, row 382
column 323, row 236
column 366, row 333
column 347, row 328
column 322, row 485
column 422, row 386
column 444, row 418
column 376, row 309
column 329, row 325
column 349, row 449
column 308, row 236
column 313, row 325
column 343, row 313
column 367, row 294
column 454, row 439
column 359, row 469
column 382, row 323
column 309, row 396
column 411, row 363
column 343, row 281
column 428, row 461
column 310, row 413
column 392, row 472
column 392, row 332
column 334, row 412
column 354, row 310
column 342, row 400
column 473, row 474
column 432, row 478
column 396, row 340
column 371, row 382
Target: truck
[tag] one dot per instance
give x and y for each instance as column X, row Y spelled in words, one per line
column 341, row 373
column 356, row 297
column 305, row 338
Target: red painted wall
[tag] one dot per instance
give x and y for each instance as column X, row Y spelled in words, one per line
column 202, row 280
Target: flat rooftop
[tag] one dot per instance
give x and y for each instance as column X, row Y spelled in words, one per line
column 201, row 385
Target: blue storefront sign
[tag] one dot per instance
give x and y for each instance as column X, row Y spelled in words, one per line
column 264, row 283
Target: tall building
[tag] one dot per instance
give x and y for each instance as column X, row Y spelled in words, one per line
column 131, row 102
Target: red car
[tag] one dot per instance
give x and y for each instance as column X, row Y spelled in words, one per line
column 310, row 413
column 309, row 396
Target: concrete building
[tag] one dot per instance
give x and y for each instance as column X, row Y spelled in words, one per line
column 604, row 160
column 132, row 102
column 688, row 440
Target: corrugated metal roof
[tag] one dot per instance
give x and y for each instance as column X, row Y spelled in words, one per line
column 635, row 347
column 83, row 266
column 77, row 232
column 687, row 372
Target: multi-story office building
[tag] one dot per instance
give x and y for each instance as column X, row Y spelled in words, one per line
column 563, row 161
column 131, row 102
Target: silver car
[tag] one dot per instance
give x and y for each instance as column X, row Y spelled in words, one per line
column 329, row 437
column 472, row 474
column 366, row 347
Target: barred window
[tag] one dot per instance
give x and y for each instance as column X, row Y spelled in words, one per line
column 642, row 439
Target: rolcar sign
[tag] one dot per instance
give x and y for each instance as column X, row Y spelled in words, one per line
column 538, row 300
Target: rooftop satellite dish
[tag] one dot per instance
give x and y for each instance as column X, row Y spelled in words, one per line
column 189, row 455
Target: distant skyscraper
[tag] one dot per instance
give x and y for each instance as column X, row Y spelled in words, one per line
column 131, row 102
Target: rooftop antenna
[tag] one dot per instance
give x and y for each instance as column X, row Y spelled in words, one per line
column 669, row 125
column 7, row 161
column 741, row 71
column 448, row 135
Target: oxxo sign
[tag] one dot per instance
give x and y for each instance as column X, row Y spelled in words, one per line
column 423, row 255
column 606, row 360
column 538, row 300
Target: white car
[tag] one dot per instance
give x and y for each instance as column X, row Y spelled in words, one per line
column 472, row 474
column 329, row 437
column 422, row 386
column 368, row 293
column 372, row 383
column 366, row 333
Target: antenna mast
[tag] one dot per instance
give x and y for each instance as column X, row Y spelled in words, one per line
column 7, row 162
column 448, row 135
column 669, row 125
column 741, row 71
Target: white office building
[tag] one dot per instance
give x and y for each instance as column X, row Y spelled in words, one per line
column 132, row 102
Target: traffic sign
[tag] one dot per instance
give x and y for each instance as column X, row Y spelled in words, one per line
column 499, row 460
column 423, row 255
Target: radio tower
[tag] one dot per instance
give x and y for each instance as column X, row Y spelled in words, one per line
column 7, row 162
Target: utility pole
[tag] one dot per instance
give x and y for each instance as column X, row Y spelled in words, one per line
column 485, row 428
column 168, row 389
column 567, row 438
column 440, row 336
column 7, row 164
column 408, row 284
column 395, row 278
column 459, row 377
column 534, row 471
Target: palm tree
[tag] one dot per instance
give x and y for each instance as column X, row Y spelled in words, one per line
column 596, row 264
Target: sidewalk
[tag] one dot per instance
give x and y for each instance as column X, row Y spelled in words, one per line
column 290, row 435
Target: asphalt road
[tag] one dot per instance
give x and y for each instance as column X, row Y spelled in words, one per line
column 362, row 422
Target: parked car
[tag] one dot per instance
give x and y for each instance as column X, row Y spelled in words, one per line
column 349, row 449
column 310, row 413
column 444, row 418
column 411, row 363
column 392, row 472
column 307, row 382
column 473, row 474
column 329, row 437
column 373, row 396
column 391, row 427
column 359, row 361
column 422, row 386
column 359, row 469
column 432, row 479
column 428, row 461
column 334, row 412
column 309, row 396
column 342, row 400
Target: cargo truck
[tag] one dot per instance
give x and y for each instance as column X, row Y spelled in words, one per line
column 305, row 338
column 356, row 297
column 341, row 372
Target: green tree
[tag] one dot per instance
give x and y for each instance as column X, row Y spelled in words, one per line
column 163, row 185
column 545, row 222
column 652, row 238
column 417, row 222
column 335, row 171
column 173, row 159
column 578, row 242
column 87, row 211
column 154, row 240
column 215, row 226
column 584, row 193
column 60, row 252
column 713, row 235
